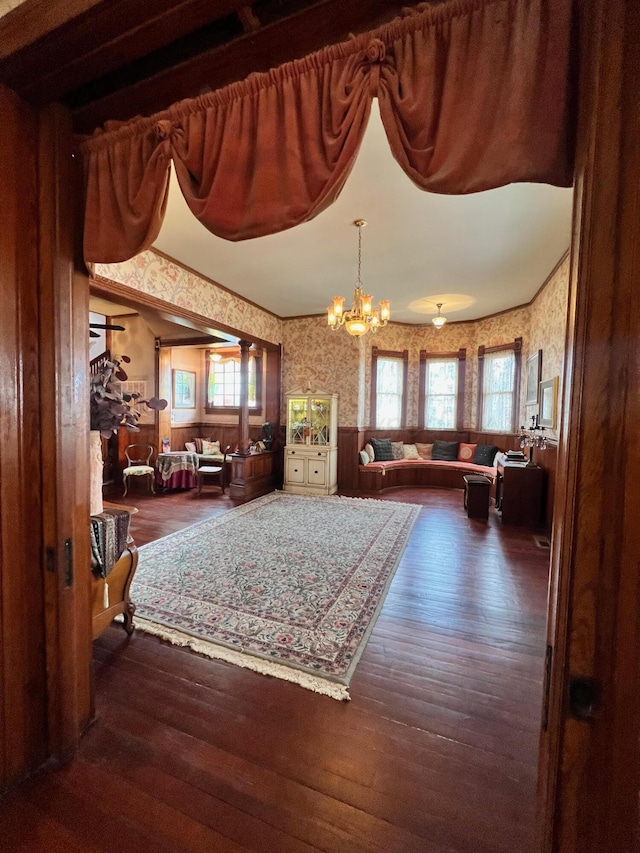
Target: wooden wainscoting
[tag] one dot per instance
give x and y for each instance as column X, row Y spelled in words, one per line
column 181, row 434
column 348, row 446
column 226, row 434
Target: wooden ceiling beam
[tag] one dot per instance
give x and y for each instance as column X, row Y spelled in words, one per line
column 33, row 19
column 301, row 33
column 114, row 35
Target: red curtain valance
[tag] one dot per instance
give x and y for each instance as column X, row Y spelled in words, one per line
column 474, row 94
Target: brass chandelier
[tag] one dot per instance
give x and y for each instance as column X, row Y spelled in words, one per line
column 362, row 316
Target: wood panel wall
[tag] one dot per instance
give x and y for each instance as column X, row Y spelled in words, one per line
column 226, row 434
column 22, row 662
column 348, row 447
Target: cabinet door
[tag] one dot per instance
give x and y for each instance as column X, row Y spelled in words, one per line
column 295, row 469
column 320, row 421
column 521, row 502
column 317, row 471
column 297, row 420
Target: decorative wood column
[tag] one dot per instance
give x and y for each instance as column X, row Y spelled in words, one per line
column 252, row 474
column 243, row 444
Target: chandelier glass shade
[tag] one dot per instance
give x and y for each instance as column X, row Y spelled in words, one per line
column 362, row 317
column 439, row 321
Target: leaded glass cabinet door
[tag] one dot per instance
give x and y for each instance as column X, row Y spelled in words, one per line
column 297, row 420
column 320, row 418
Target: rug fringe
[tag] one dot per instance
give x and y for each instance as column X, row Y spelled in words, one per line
column 256, row 664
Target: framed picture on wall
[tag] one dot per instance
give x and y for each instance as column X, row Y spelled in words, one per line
column 184, row 389
column 534, row 373
column 548, row 403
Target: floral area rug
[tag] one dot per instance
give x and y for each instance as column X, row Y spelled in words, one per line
column 286, row 585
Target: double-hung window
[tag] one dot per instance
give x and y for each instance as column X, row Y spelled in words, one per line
column 499, row 386
column 223, row 380
column 389, row 389
column 441, row 393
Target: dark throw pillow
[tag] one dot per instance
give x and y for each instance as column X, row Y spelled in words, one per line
column 485, row 454
column 382, row 449
column 445, row 451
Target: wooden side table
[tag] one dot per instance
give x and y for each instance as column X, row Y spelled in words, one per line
column 519, row 494
column 476, row 495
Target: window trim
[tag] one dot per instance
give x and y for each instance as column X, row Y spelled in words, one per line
column 257, row 355
column 400, row 355
column 425, row 356
column 516, row 346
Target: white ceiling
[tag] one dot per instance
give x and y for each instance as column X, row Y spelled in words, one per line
column 477, row 254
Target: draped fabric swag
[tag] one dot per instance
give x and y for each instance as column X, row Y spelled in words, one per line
column 473, row 94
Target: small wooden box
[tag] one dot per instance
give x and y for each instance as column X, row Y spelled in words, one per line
column 476, row 495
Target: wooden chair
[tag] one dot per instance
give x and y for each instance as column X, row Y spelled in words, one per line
column 215, row 472
column 138, row 458
column 106, row 605
column 110, row 581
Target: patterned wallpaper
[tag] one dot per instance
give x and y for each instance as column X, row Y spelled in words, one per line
column 337, row 362
column 330, row 361
column 548, row 327
column 154, row 275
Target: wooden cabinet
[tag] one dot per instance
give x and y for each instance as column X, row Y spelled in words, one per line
column 252, row 475
column 519, row 494
column 311, row 451
column 310, row 469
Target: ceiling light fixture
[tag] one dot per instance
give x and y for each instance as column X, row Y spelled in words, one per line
column 439, row 321
column 362, row 316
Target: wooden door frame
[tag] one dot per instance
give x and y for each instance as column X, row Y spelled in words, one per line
column 64, row 383
column 590, row 768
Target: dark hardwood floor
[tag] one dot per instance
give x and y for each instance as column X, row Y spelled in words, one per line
column 435, row 753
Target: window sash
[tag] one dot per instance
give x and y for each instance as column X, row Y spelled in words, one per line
column 441, row 393
column 223, row 383
column 389, row 392
column 498, row 383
